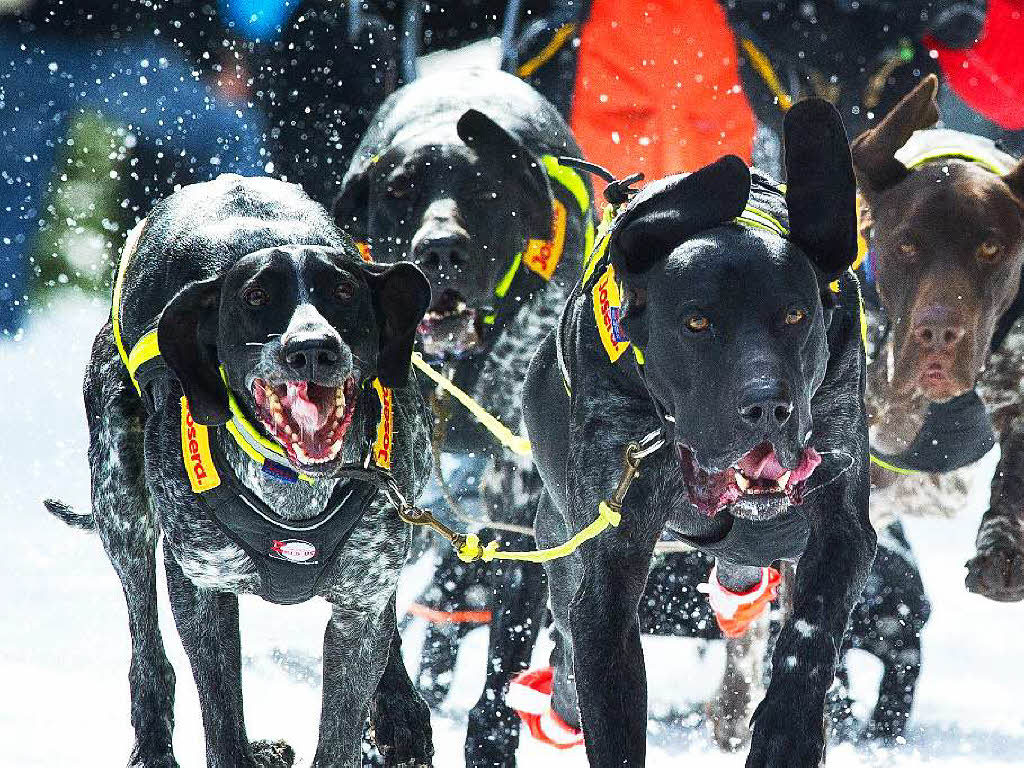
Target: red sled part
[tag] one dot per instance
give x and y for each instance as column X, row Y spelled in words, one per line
column 529, row 694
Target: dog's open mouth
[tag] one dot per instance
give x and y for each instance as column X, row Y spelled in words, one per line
column 756, row 475
column 309, row 420
column 450, row 328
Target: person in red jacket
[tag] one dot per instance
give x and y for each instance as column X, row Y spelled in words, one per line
column 988, row 77
column 646, row 85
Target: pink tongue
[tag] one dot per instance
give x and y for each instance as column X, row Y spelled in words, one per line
column 760, row 463
column 304, row 412
column 809, row 461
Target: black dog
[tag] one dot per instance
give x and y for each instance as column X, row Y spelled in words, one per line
column 753, row 370
column 245, row 402
column 458, row 174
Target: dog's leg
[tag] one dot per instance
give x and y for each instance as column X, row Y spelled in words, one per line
column 356, row 649
column 208, row 624
column 887, row 623
column 125, row 521
column 517, row 612
column 399, row 717
column 997, row 570
column 741, row 687
column 600, row 683
column 789, row 723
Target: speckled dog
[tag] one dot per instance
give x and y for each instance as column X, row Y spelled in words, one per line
column 708, row 315
column 251, row 389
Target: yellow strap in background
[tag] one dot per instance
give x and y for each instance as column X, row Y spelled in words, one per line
column 760, row 62
column 606, row 516
column 504, row 435
column 892, row 467
column 546, row 53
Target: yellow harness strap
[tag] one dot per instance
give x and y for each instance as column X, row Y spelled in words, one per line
column 472, row 550
column 504, row 435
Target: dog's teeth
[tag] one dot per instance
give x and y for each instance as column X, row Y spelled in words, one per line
column 784, row 480
column 741, row 482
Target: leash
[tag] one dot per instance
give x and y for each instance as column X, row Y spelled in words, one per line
column 515, row 443
column 467, row 546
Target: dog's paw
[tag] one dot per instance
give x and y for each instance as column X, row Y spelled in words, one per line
column 784, row 736
column 400, row 728
column 492, row 735
column 272, row 754
column 997, row 572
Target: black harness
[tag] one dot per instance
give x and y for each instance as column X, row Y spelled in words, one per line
column 291, row 557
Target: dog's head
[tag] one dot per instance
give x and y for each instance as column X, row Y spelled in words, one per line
column 298, row 330
column 947, row 244
column 459, row 199
column 732, row 319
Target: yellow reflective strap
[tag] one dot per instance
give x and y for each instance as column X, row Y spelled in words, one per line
column 504, row 435
column 763, row 65
column 606, row 516
column 546, row 53
column 131, row 243
column 506, row 282
column 956, row 154
column 891, row 467
column 595, row 257
column 144, row 350
column 569, row 179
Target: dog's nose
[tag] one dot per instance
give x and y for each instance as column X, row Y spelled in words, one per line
column 768, row 407
column 444, row 254
column 309, row 355
column 939, row 336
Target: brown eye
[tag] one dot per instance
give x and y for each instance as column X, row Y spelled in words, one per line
column 989, row 251
column 795, row 316
column 909, row 250
column 256, row 297
column 345, row 290
column 697, row 323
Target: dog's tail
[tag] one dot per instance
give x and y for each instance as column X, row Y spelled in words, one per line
column 64, row 512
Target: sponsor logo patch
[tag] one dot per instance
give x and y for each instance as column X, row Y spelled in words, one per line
column 606, row 314
column 195, row 452
column 542, row 256
column 294, row 551
column 364, row 252
column 382, row 446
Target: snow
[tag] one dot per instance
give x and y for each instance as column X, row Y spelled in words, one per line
column 65, row 641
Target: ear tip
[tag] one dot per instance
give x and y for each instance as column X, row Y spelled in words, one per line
column 814, row 113
column 469, row 122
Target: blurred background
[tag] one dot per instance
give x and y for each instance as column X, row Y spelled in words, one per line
column 109, row 105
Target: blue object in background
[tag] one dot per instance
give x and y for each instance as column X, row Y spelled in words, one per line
column 257, row 19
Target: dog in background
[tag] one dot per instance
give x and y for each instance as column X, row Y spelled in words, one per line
column 245, row 402
column 458, row 174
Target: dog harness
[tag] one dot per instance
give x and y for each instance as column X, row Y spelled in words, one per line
column 291, row 557
column 958, row 432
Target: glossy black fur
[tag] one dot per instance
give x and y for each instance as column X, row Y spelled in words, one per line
column 201, row 250
column 675, row 234
column 455, row 160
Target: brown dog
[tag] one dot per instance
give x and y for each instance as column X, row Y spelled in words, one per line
column 943, row 213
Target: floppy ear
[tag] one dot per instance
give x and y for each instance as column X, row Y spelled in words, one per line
column 654, row 226
column 488, row 138
column 821, row 192
column 1015, row 181
column 874, row 150
column 401, row 295
column 352, row 203
column 187, row 335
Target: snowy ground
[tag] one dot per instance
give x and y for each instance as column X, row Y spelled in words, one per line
column 65, row 644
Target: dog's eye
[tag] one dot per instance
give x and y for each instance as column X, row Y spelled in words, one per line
column 795, row 316
column 697, row 323
column 256, row 297
column 345, row 290
column 989, row 251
